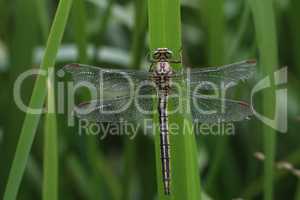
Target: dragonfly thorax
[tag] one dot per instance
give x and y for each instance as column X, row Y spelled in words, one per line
column 162, row 68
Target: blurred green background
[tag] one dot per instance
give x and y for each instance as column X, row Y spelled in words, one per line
column 114, row 34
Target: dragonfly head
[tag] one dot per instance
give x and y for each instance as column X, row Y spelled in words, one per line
column 162, row 54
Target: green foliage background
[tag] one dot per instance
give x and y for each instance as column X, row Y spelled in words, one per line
column 115, row 34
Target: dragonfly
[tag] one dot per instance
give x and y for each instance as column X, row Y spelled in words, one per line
column 118, row 88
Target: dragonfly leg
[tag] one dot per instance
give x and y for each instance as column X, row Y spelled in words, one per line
column 179, row 61
column 151, row 67
column 150, row 58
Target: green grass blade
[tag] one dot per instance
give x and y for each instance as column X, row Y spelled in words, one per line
column 139, row 35
column 103, row 27
column 35, row 173
column 214, row 20
column 50, row 181
column 213, row 12
column 295, row 32
column 264, row 20
column 37, row 100
column 43, row 19
column 297, row 195
column 20, row 43
column 80, row 177
column 101, row 168
column 165, row 31
column 244, row 23
column 129, row 168
column 79, row 21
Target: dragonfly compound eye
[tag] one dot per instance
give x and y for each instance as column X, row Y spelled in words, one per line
column 156, row 55
column 169, row 54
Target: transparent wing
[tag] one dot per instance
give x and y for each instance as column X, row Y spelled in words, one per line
column 203, row 109
column 213, row 77
column 117, row 110
column 111, row 81
column 213, row 110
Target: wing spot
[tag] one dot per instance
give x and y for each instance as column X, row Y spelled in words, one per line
column 253, row 61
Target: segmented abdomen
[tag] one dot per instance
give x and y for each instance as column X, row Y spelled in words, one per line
column 163, row 89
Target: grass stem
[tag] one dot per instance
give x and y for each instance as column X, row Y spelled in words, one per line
column 37, row 100
column 165, row 31
column 264, row 21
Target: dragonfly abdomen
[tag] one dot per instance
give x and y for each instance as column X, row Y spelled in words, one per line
column 161, row 77
column 164, row 143
column 162, row 82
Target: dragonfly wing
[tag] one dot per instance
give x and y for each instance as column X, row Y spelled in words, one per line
column 213, row 110
column 111, row 81
column 116, row 110
column 213, row 77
